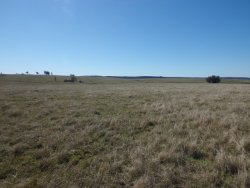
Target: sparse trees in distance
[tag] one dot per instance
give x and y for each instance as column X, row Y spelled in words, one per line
column 46, row 72
column 72, row 78
column 213, row 79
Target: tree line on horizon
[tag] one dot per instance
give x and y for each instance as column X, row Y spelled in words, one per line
column 73, row 78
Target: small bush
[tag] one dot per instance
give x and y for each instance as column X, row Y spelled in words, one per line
column 72, row 78
column 213, row 79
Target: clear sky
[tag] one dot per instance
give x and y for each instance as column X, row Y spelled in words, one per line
column 126, row 37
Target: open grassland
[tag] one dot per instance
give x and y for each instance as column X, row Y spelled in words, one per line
column 119, row 133
column 110, row 80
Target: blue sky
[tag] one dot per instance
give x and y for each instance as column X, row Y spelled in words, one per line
column 126, row 37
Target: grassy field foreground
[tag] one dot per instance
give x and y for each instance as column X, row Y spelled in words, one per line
column 124, row 135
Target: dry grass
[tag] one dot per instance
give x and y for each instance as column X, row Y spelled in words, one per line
column 126, row 134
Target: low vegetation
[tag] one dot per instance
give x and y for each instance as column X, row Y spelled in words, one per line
column 213, row 79
column 46, row 72
column 72, row 78
column 124, row 134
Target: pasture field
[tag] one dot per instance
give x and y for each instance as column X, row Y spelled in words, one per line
column 109, row 132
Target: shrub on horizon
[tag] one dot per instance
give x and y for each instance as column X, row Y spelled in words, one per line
column 213, row 79
column 46, row 72
column 72, row 78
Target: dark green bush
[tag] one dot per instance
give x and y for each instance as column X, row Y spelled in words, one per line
column 213, row 79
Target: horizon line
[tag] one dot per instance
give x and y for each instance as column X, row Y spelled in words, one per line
column 124, row 76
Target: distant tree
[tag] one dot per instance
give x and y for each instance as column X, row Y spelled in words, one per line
column 37, row 73
column 46, row 72
column 213, row 79
column 27, row 72
column 73, row 78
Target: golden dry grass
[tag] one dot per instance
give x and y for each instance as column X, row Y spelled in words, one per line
column 124, row 134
